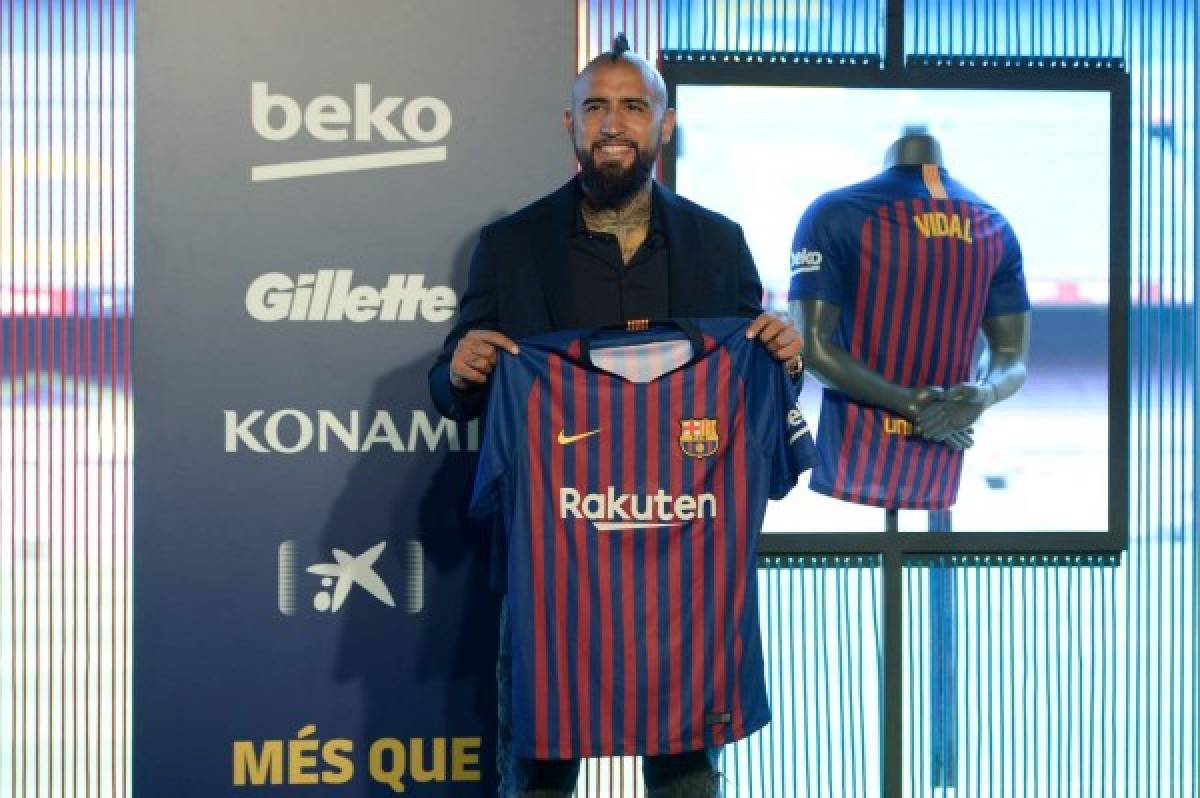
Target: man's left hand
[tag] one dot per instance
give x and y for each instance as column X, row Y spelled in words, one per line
column 778, row 335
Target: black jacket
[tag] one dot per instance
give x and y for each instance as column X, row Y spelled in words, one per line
column 517, row 276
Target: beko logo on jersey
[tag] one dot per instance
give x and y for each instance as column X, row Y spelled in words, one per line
column 330, row 295
column 332, row 119
column 292, row 431
column 795, row 420
column 806, row 260
column 613, row 511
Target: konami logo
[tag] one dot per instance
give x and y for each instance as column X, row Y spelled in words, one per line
column 332, row 119
column 292, row 431
column 330, row 295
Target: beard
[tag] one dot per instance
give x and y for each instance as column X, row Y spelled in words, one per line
column 611, row 186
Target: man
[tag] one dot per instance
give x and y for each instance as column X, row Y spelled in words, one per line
column 609, row 246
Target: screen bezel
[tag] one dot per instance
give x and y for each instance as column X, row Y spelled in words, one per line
column 1110, row 79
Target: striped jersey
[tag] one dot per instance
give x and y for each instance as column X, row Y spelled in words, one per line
column 915, row 261
column 630, row 472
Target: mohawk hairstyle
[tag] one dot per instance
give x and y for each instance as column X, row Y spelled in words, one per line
column 620, row 46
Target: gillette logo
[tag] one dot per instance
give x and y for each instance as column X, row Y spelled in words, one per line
column 332, row 119
column 330, row 295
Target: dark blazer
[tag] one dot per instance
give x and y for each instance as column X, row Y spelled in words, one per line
column 517, row 276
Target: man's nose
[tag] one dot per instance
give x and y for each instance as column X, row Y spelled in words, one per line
column 612, row 123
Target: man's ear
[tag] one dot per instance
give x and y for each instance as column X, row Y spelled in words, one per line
column 668, row 125
column 568, row 122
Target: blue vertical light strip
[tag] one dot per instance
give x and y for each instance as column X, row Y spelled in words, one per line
column 1070, row 735
column 1029, row 619
column 786, row 644
column 822, row 580
column 1135, row 575
column 924, row 671
column 861, row 682
column 807, row 723
column 853, row 686
column 962, row 601
column 876, row 609
column 1163, row 333
column 1192, row 115
column 1002, row 760
column 1015, row 712
column 796, row 728
column 910, row 700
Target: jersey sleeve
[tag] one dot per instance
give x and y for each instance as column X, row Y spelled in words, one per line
column 1007, row 293
column 818, row 268
column 778, row 423
column 503, row 426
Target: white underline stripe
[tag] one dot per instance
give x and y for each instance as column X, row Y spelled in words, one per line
column 610, row 526
column 346, row 163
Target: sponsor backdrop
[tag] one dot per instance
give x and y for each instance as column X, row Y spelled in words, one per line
column 311, row 608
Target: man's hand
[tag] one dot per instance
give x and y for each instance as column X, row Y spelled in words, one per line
column 957, row 409
column 475, row 357
column 778, row 335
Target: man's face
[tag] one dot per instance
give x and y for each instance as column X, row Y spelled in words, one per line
column 618, row 127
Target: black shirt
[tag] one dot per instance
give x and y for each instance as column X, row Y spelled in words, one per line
column 604, row 289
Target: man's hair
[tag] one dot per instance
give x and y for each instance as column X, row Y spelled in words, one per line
column 620, row 52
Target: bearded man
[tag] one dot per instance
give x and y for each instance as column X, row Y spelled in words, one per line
column 609, row 246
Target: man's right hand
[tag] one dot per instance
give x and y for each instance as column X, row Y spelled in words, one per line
column 475, row 357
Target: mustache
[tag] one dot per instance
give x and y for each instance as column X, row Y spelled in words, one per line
column 616, row 140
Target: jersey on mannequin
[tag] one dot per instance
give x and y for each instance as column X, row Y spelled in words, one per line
column 892, row 281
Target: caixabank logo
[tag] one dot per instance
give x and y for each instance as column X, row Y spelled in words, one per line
column 346, row 574
column 413, row 129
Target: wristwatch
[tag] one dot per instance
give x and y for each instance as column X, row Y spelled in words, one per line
column 795, row 368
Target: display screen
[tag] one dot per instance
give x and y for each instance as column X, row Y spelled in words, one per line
column 762, row 154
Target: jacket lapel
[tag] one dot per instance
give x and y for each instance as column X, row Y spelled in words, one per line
column 551, row 241
column 687, row 283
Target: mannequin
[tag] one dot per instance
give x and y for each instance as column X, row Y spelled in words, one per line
column 942, row 413
column 842, row 236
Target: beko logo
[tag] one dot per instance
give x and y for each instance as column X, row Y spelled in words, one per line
column 330, row 295
column 292, row 431
column 329, row 118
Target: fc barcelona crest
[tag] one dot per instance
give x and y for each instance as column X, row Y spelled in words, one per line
column 698, row 436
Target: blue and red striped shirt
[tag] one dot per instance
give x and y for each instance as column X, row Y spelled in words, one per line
column 915, row 261
column 630, row 472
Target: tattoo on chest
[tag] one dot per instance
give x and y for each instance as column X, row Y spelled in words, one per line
column 630, row 224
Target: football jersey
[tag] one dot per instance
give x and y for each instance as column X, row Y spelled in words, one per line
column 630, row 472
column 915, row 261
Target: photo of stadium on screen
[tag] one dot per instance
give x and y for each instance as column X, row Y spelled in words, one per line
column 1040, row 460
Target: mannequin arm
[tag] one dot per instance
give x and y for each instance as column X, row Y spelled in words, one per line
column 963, row 404
column 835, row 368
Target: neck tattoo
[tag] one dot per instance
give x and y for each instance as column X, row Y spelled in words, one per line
column 629, row 223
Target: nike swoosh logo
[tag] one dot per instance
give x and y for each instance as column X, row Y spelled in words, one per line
column 565, row 439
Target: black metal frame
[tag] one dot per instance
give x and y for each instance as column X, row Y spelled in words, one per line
column 954, row 73
column 898, row 549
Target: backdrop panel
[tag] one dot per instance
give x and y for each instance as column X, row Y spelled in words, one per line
column 311, row 607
